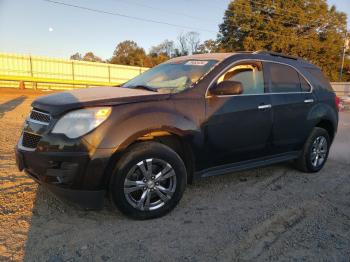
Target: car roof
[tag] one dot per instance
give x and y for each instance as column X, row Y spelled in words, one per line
column 261, row 54
column 209, row 56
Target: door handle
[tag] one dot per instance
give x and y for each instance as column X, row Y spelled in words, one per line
column 308, row 100
column 264, row 107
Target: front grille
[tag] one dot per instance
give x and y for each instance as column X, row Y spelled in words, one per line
column 30, row 140
column 40, row 116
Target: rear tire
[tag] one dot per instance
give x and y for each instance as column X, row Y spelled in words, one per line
column 315, row 152
column 148, row 181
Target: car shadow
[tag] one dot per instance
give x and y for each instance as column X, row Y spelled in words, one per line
column 11, row 105
column 60, row 231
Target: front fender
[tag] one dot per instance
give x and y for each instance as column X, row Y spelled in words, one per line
column 128, row 122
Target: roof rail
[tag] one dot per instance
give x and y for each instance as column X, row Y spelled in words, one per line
column 243, row 52
column 261, row 52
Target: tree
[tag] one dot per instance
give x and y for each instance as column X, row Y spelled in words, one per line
column 129, row 53
column 208, row 46
column 76, row 56
column 165, row 48
column 193, row 42
column 90, row 57
column 154, row 59
column 182, row 44
column 306, row 28
column 188, row 43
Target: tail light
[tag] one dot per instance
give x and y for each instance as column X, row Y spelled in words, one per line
column 337, row 103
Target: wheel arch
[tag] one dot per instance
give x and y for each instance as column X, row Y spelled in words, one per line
column 324, row 116
column 328, row 126
column 172, row 138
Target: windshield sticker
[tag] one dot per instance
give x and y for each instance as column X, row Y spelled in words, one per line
column 197, row 63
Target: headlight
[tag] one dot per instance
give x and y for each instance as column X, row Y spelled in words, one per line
column 79, row 122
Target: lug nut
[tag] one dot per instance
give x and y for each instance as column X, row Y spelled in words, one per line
column 153, row 177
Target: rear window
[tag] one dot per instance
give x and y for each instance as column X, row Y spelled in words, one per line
column 322, row 81
column 284, row 79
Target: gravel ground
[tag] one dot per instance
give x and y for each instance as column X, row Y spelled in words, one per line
column 272, row 213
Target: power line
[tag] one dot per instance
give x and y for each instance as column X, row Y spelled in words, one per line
column 277, row 14
column 159, row 22
column 307, row 38
column 292, row 14
column 273, row 33
column 164, row 10
column 274, row 19
column 127, row 16
column 309, row 22
column 265, row 5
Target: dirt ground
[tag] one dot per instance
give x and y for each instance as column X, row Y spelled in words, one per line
column 272, row 213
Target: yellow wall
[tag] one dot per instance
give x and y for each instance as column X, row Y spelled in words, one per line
column 55, row 73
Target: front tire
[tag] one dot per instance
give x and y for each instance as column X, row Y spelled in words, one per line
column 148, row 181
column 315, row 151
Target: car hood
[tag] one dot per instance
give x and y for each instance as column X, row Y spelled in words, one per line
column 59, row 103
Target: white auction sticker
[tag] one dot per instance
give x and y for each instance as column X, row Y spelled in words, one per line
column 197, row 63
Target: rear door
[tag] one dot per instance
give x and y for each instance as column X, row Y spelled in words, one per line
column 238, row 127
column 291, row 100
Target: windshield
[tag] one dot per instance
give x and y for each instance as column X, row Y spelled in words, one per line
column 172, row 77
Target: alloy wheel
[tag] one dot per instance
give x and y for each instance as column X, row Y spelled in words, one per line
column 319, row 151
column 150, row 184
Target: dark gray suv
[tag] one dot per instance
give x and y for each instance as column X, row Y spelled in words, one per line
column 190, row 117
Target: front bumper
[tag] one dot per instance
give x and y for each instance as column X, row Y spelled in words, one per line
column 75, row 177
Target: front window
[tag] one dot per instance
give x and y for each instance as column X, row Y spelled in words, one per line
column 172, row 76
column 250, row 75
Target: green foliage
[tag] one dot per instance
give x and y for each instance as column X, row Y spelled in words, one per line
column 129, row 53
column 208, row 46
column 90, row 57
column 305, row 28
column 76, row 56
column 346, row 71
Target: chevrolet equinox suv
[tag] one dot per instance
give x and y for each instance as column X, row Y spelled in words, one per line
column 190, row 117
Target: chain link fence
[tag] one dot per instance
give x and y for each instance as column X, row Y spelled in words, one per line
column 50, row 73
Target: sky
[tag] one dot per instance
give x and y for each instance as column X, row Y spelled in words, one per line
column 42, row 28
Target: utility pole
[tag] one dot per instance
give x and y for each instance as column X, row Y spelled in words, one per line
column 346, row 46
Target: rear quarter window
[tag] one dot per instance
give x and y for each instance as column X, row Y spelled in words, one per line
column 321, row 79
column 284, row 79
column 305, row 87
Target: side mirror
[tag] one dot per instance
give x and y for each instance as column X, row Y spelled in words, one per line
column 227, row 88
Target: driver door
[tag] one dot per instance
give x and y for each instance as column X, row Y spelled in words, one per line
column 238, row 127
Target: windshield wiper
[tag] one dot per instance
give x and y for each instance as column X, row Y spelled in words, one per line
column 149, row 88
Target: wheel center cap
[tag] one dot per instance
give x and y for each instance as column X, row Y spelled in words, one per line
column 150, row 184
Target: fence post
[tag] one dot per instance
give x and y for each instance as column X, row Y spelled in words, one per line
column 21, row 85
column 109, row 73
column 31, row 66
column 73, row 70
column 73, row 78
column 31, row 73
